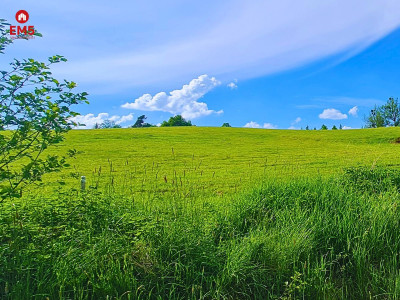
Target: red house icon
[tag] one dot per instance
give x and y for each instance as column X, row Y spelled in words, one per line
column 22, row 16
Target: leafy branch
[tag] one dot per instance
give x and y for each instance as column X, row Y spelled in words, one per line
column 35, row 113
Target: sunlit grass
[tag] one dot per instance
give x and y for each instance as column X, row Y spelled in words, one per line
column 219, row 160
column 210, row 213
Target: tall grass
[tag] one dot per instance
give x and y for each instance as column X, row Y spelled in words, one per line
column 322, row 238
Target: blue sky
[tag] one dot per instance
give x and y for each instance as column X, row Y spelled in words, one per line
column 268, row 64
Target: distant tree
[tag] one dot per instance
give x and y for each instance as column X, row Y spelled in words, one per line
column 334, row 127
column 177, row 120
column 384, row 115
column 109, row 124
column 340, row 127
column 96, row 126
column 376, row 118
column 307, row 128
column 141, row 123
column 391, row 112
column 226, row 125
column 324, row 127
column 315, row 128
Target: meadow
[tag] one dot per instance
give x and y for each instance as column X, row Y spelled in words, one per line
column 218, row 160
column 210, row 213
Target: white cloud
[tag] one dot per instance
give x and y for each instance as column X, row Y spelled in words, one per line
column 332, row 114
column 183, row 101
column 90, row 120
column 125, row 119
column 346, row 127
column 353, row 111
column 232, row 85
column 298, row 120
column 293, row 128
column 252, row 124
column 177, row 48
column 269, row 126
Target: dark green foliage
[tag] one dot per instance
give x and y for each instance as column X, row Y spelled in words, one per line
column 140, row 122
column 177, row 120
column 34, row 115
column 334, row 127
column 307, row 128
column 226, row 125
column 324, row 127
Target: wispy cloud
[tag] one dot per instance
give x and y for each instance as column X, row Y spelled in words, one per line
column 363, row 102
column 170, row 50
column 353, row 111
column 296, row 121
column 183, row 101
column 309, row 106
column 332, row 114
column 322, row 102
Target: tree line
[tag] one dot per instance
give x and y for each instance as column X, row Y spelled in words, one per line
column 177, row 120
column 386, row 115
column 324, row 127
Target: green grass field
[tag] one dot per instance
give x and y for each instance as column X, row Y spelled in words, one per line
column 220, row 160
column 210, row 213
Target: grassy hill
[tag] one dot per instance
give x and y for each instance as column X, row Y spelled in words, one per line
column 210, row 213
column 220, row 160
